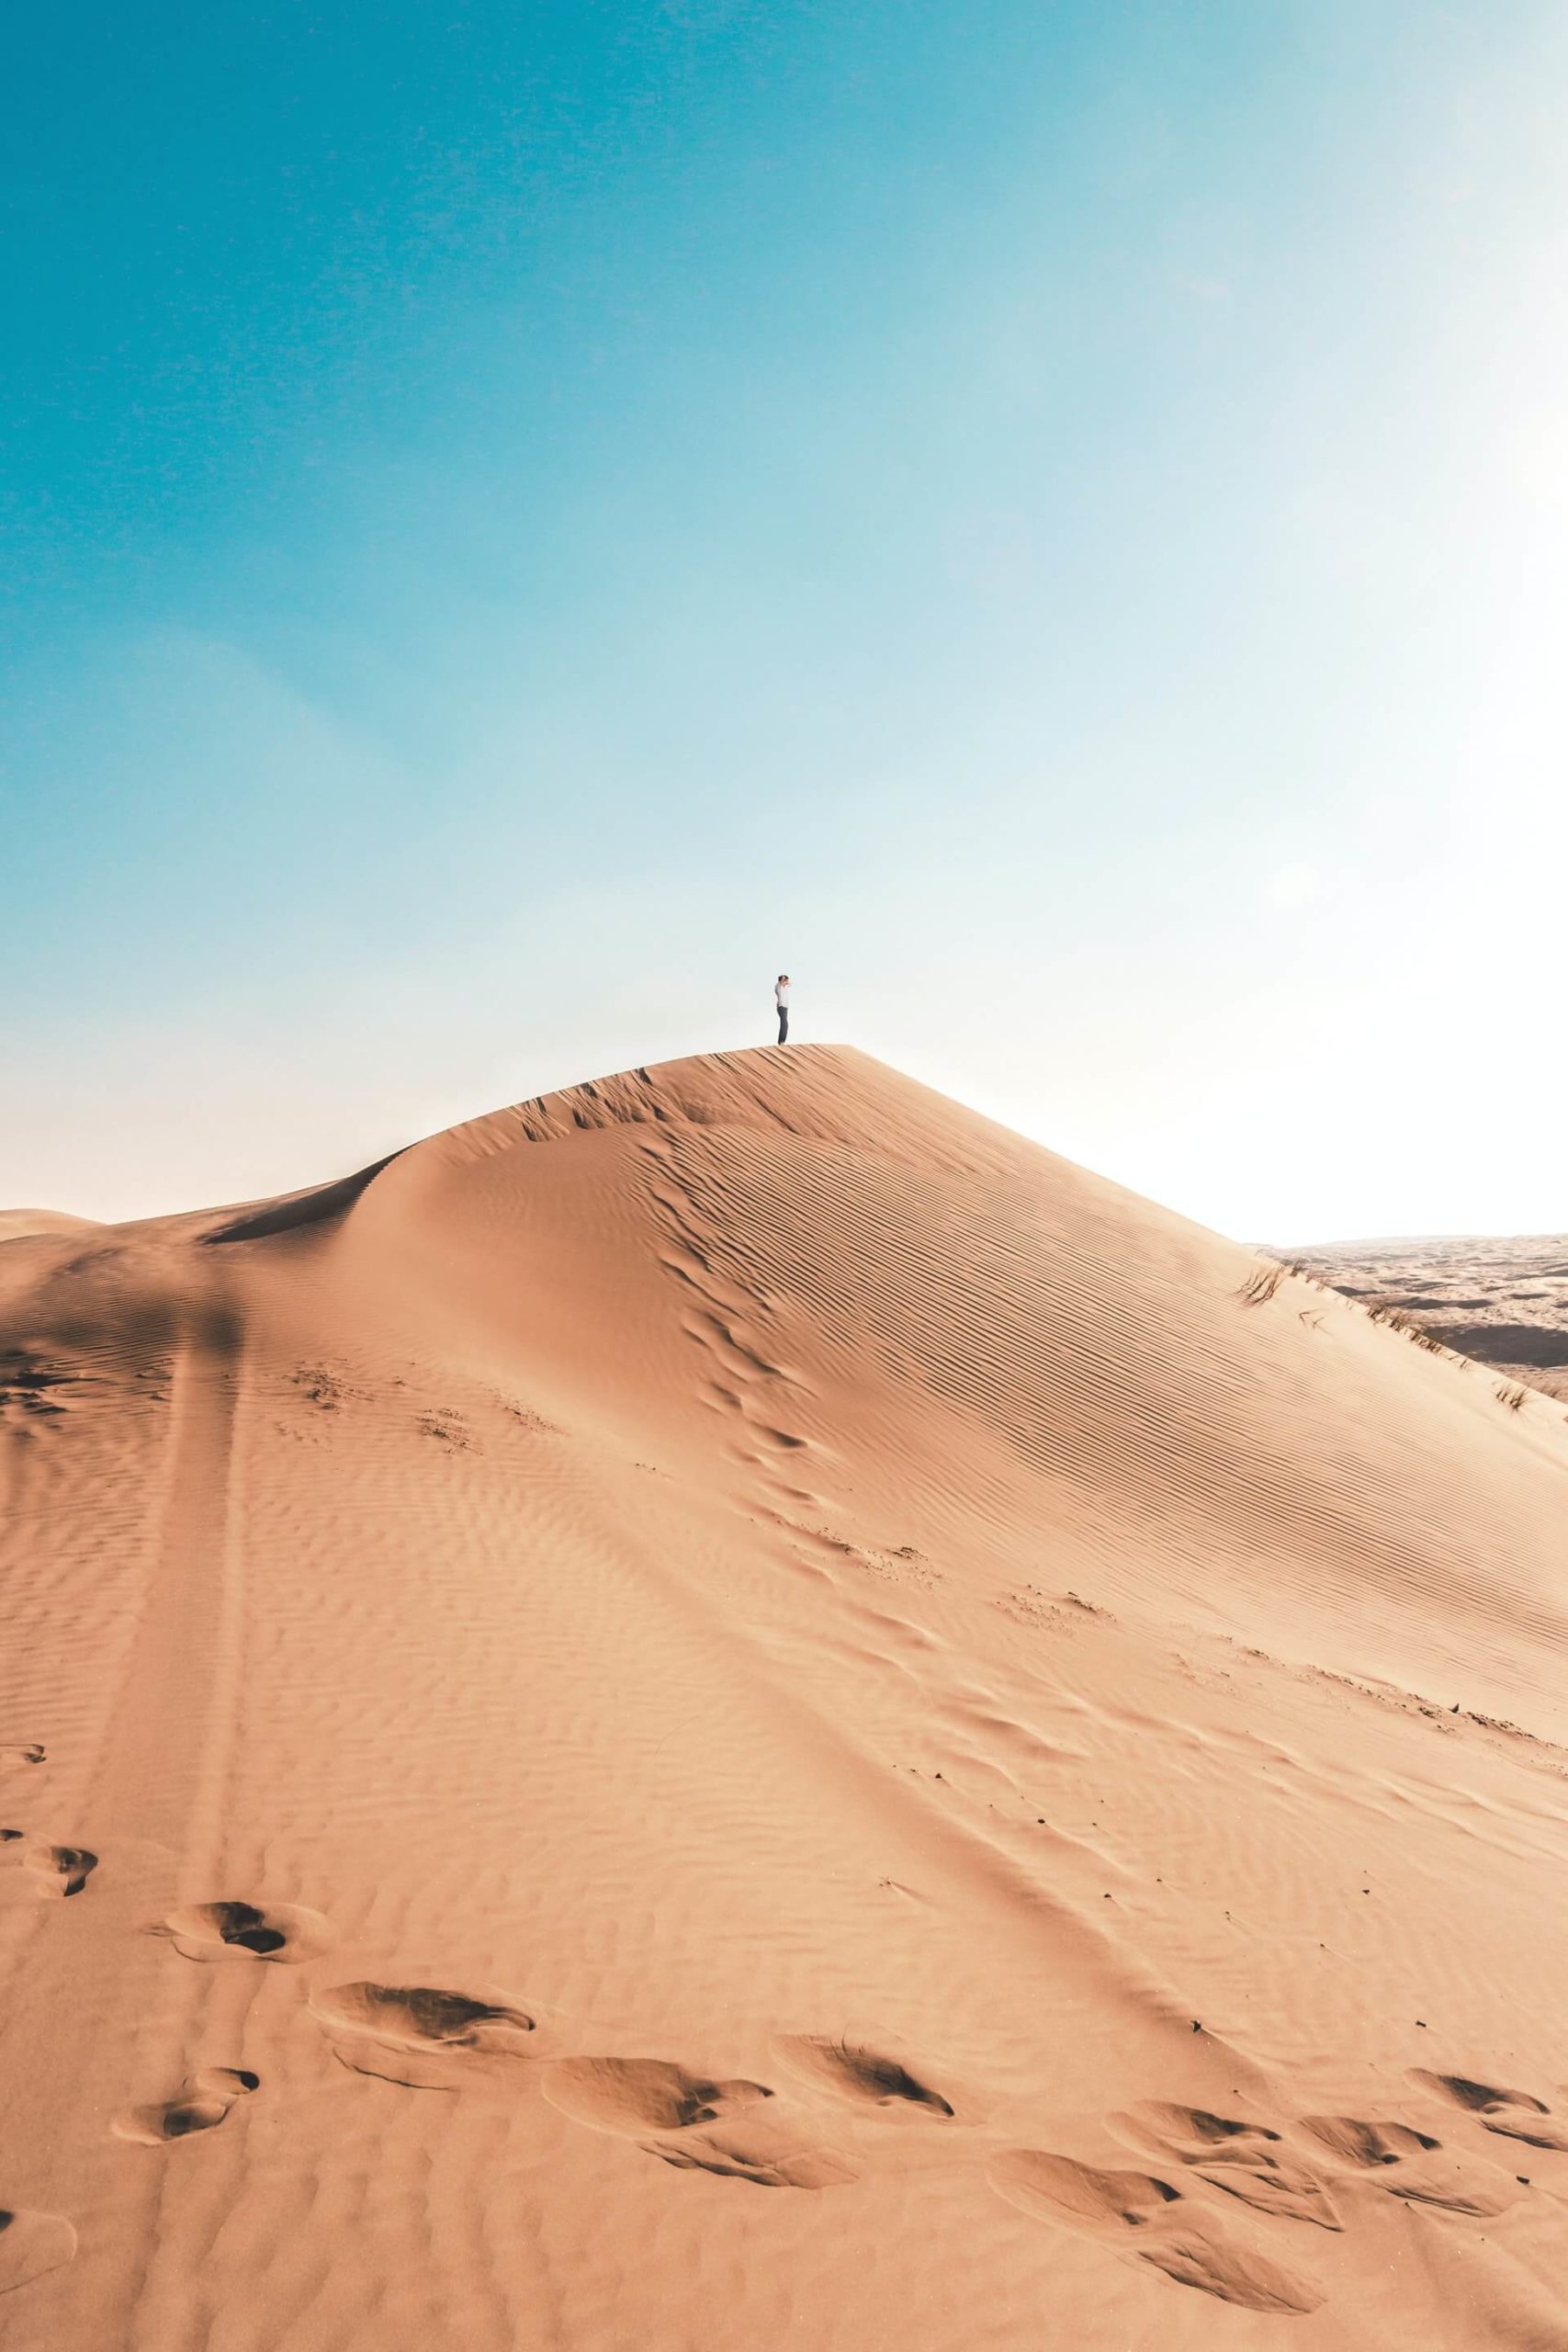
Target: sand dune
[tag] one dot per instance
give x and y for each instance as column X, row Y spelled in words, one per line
column 21, row 1225
column 733, row 1709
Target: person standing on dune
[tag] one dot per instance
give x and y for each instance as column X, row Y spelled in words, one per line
column 781, row 998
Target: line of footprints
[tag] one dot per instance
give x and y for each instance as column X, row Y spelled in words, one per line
column 847, row 2113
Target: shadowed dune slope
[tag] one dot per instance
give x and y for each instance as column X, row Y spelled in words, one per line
column 736, row 1629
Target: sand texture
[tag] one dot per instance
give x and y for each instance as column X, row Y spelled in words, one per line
column 731, row 1708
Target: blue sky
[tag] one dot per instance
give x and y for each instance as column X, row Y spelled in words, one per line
column 1047, row 521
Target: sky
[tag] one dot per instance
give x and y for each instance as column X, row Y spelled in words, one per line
column 520, row 521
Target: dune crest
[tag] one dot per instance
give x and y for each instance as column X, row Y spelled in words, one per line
column 26, row 1225
column 740, row 1628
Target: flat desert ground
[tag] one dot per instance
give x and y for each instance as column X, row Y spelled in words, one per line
column 732, row 1708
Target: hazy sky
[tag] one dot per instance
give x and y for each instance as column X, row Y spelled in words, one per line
column 1050, row 521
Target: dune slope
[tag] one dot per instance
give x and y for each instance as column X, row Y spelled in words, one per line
column 731, row 1708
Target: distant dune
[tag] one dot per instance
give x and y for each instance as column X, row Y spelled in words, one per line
column 1502, row 1300
column 21, row 1225
column 731, row 1708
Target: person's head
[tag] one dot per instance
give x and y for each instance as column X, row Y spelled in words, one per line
column 784, row 977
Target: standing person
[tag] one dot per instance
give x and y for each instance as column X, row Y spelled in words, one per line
column 781, row 998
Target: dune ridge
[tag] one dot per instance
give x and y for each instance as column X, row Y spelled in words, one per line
column 739, row 1627
column 24, row 1225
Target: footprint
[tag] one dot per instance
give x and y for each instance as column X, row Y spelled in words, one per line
column 68, row 1867
column 1193, row 2257
column 60, row 1870
column 423, row 2038
column 1272, row 2185
column 1191, row 2134
column 421, row 2017
column 1479, row 2203
column 730, row 2128
column 1232, row 2154
column 863, row 2076
column 631, row 2096
column 762, row 2148
column 448, row 1429
column 1358, row 2143
column 1187, row 2248
column 740, row 1359
column 1410, row 2165
column 1516, row 2115
column 29, row 1751
column 1082, row 2196
column 30, row 2245
column 278, row 1931
column 201, row 2106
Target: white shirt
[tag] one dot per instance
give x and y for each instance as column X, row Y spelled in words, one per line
column 781, row 994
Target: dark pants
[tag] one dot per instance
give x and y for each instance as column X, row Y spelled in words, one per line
column 784, row 1022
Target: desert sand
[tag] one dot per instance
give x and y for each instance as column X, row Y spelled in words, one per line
column 733, row 1709
column 1502, row 1300
column 18, row 1224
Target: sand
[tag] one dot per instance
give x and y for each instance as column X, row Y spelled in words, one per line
column 734, row 1709
column 1502, row 1300
column 19, row 1225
